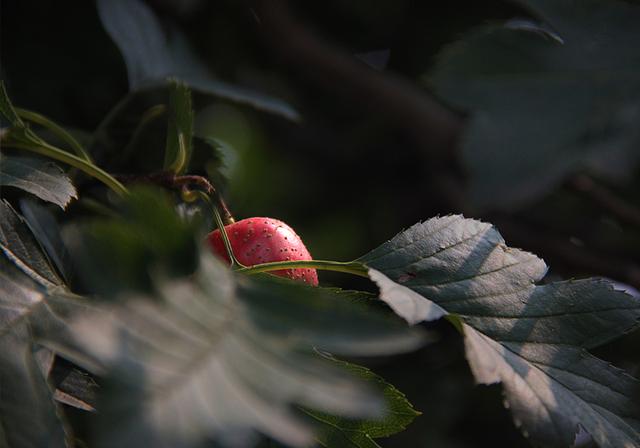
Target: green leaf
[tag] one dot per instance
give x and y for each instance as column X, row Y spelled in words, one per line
column 340, row 432
column 124, row 252
column 180, row 131
column 544, row 106
column 46, row 231
column 152, row 55
column 530, row 337
column 19, row 246
column 40, row 177
column 28, row 414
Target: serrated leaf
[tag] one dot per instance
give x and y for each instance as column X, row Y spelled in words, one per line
column 19, row 246
column 29, row 416
column 40, row 177
column 151, row 55
column 180, row 130
column 339, row 432
column 545, row 107
column 46, row 231
column 531, row 337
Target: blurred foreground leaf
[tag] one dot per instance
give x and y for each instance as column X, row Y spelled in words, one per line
column 144, row 237
column 532, row 338
column 213, row 355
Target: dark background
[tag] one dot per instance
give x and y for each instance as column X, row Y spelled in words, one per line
column 348, row 176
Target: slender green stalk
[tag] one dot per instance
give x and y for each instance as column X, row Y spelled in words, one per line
column 52, row 152
column 351, row 267
column 56, row 129
column 225, row 238
column 189, row 196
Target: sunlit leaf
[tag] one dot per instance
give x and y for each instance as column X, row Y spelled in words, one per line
column 40, row 177
column 533, row 338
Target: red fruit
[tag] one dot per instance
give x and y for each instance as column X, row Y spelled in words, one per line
column 263, row 240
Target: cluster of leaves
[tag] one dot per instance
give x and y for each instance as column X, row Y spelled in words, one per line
column 187, row 352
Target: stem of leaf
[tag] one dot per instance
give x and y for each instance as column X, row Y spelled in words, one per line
column 58, row 130
column 350, row 267
column 89, row 168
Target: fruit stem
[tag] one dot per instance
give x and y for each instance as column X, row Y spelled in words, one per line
column 349, row 267
column 190, row 196
column 227, row 217
column 169, row 179
column 225, row 239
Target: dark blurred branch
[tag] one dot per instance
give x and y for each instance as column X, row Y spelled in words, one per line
column 561, row 250
column 404, row 106
column 606, row 199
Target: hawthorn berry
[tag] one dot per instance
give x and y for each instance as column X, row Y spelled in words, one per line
column 263, row 240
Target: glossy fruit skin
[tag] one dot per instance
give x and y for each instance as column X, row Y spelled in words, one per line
column 263, row 240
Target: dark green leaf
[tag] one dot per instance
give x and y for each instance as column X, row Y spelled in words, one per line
column 180, row 130
column 531, row 337
column 19, row 246
column 124, row 252
column 151, row 55
column 40, row 177
column 547, row 105
column 28, row 414
column 340, row 432
column 45, row 229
